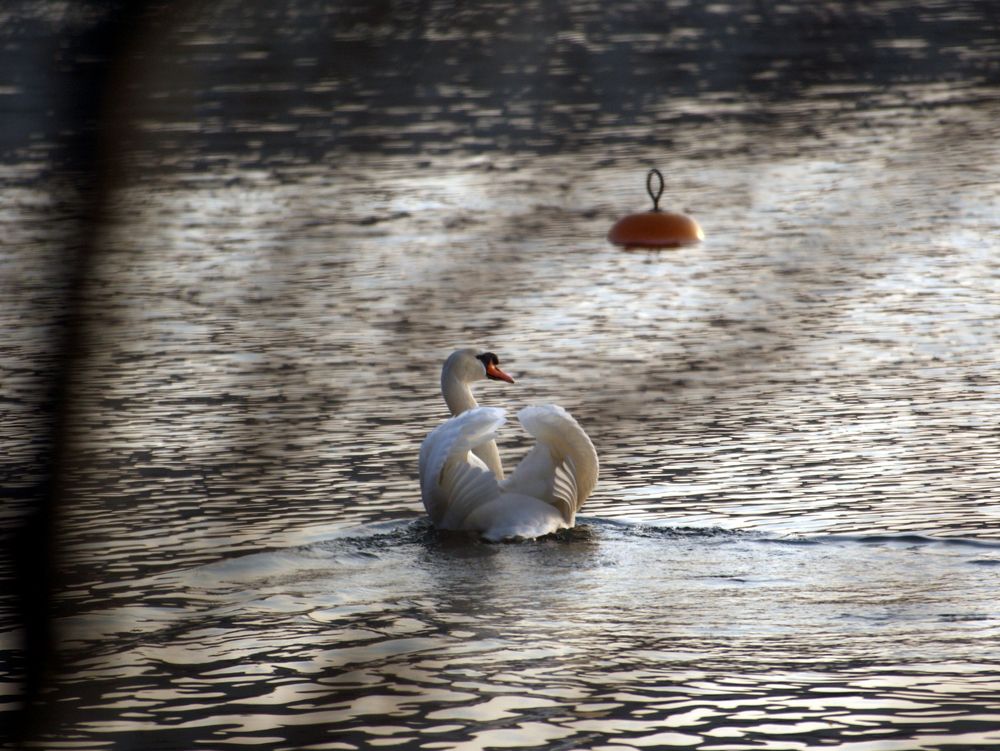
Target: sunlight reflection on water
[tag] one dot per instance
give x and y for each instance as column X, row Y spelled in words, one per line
column 747, row 384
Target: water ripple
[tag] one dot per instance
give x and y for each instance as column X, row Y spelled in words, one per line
column 635, row 634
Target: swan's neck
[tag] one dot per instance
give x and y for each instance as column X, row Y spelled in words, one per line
column 457, row 394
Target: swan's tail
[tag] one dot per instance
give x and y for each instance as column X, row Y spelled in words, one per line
column 570, row 446
column 448, row 446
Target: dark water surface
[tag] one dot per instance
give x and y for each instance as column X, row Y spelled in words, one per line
column 795, row 540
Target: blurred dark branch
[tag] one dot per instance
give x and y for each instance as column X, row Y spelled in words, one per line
column 86, row 73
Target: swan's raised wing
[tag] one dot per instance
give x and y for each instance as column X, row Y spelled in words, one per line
column 562, row 467
column 454, row 481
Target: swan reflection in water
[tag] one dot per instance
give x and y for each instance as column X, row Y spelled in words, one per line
column 462, row 480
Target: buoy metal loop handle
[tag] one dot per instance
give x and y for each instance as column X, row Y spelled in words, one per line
column 649, row 187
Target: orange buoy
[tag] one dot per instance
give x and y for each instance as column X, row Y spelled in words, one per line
column 656, row 228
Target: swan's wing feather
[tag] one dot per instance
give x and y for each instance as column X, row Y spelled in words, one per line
column 562, row 467
column 564, row 486
column 467, row 483
column 540, row 474
column 453, row 480
column 532, row 475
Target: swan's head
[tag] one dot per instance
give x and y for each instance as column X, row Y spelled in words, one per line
column 492, row 365
column 470, row 365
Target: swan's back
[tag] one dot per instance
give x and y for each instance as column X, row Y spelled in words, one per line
column 541, row 496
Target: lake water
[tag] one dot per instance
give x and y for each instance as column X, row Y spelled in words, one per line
column 795, row 538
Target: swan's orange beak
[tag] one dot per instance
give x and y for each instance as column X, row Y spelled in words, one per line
column 492, row 371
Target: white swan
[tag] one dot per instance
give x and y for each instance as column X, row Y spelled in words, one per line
column 461, row 478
